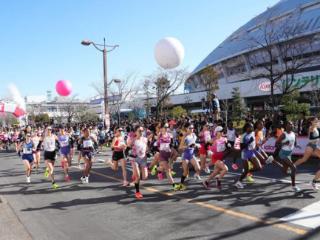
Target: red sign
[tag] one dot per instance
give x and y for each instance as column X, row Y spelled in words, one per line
column 265, row 86
column 1, row 107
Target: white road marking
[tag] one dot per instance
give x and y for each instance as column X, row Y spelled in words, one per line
column 308, row 216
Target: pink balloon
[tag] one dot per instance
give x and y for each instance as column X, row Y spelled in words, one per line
column 63, row 87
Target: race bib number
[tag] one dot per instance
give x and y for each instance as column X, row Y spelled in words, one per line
column 165, row 147
column 221, row 147
column 27, row 150
column 64, row 144
column 87, row 143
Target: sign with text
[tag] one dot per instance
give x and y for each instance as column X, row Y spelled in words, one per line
column 269, row 146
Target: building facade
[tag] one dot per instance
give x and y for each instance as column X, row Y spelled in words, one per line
column 285, row 36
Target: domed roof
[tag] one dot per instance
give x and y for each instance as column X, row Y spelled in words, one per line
column 308, row 12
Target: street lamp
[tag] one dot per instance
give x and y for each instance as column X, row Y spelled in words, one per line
column 118, row 82
column 104, row 49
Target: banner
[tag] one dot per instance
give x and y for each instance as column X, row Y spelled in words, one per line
column 269, row 146
column 12, row 108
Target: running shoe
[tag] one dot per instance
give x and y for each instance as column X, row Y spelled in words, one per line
column 125, row 184
column 207, row 170
column 160, row 176
column 173, row 173
column 138, row 195
column 83, row 179
column 182, row 187
column 67, row 178
column 87, row 180
column 239, row 185
column 315, row 186
column 197, row 177
column 206, row 185
column 108, row 163
column 154, row 170
column 28, row 180
column 250, row 179
column 46, row 173
column 176, row 187
column 55, row 186
column 269, row 159
column 235, row 166
column 296, row 189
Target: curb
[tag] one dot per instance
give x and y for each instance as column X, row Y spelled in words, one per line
column 8, row 220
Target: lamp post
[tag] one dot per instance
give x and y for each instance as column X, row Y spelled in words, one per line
column 118, row 82
column 105, row 49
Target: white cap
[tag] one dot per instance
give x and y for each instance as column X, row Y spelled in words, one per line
column 218, row 129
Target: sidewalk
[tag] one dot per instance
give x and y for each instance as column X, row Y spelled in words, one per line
column 10, row 226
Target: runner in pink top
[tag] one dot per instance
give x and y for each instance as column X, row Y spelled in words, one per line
column 217, row 150
column 205, row 139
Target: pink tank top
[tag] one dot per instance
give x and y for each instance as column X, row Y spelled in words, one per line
column 219, row 145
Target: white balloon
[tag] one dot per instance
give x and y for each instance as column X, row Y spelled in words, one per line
column 169, row 52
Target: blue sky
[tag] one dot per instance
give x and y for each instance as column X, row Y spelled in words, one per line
column 40, row 39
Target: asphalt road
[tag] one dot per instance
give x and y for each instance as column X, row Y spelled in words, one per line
column 105, row 210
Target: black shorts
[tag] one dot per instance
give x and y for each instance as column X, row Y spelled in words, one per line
column 117, row 155
column 87, row 154
column 51, row 156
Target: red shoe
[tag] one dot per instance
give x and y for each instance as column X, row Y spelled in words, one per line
column 67, row 178
column 139, row 195
column 160, row 176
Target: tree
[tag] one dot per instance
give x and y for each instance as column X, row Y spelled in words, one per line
column 177, row 112
column 292, row 108
column 238, row 105
column 85, row 115
column 280, row 55
column 127, row 88
column 42, row 118
column 120, row 91
column 147, row 91
column 71, row 107
column 8, row 119
column 165, row 83
column 209, row 79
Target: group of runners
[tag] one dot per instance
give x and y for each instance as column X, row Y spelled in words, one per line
column 153, row 149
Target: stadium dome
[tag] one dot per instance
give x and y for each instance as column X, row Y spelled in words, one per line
column 306, row 12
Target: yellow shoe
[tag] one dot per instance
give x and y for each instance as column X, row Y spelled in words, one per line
column 182, row 187
column 55, row 186
column 250, row 179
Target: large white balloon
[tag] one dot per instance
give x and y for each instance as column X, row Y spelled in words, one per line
column 169, row 52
